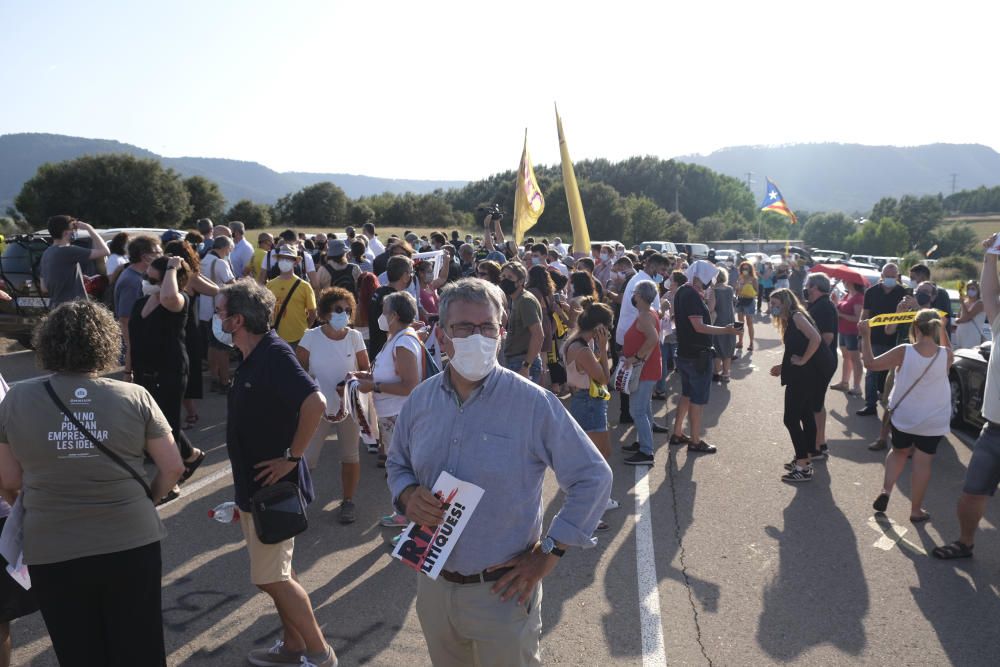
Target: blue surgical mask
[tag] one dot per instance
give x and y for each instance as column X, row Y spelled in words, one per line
column 658, row 278
column 222, row 336
column 889, row 282
column 340, row 320
column 776, row 310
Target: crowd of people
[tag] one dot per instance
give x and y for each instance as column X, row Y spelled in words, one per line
column 404, row 347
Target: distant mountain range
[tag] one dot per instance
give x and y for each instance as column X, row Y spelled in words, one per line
column 813, row 177
column 22, row 154
column 852, row 177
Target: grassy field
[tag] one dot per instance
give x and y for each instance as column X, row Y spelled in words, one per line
column 984, row 225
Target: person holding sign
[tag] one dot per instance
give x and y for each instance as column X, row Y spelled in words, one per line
column 449, row 425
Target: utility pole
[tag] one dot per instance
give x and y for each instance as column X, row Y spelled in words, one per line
column 953, row 177
column 749, row 176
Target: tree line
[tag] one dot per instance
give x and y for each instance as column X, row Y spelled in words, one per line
column 638, row 199
column 980, row 200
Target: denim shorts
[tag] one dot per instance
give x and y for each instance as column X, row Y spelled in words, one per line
column 589, row 412
column 849, row 342
column 983, row 474
column 694, row 385
column 747, row 305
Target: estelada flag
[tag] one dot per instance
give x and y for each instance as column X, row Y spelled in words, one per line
column 581, row 235
column 773, row 201
column 528, row 200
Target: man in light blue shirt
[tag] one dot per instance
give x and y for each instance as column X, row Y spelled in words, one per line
column 449, row 423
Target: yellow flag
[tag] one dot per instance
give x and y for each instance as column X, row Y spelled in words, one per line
column 581, row 235
column 528, row 200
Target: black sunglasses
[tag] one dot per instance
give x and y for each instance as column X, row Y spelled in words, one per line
column 341, row 309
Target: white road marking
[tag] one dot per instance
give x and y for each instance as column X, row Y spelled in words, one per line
column 892, row 536
column 653, row 653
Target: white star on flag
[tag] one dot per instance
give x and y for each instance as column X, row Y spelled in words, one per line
column 774, row 195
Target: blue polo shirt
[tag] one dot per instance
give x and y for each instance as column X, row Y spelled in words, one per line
column 268, row 390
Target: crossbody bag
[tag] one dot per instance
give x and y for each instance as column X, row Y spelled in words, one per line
column 95, row 442
column 893, row 409
column 284, row 304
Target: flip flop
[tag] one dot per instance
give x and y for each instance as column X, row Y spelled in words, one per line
column 951, row 551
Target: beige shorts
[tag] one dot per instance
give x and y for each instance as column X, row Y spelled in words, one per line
column 269, row 563
column 348, row 438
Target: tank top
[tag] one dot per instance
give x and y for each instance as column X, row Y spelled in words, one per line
column 926, row 410
column 747, row 290
column 634, row 339
column 574, row 376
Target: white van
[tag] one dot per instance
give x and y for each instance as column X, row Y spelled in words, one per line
column 662, row 247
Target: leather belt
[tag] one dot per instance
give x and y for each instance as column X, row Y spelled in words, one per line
column 480, row 578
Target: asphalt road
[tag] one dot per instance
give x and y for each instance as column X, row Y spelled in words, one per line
column 723, row 564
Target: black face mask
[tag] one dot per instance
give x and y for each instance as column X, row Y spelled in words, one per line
column 508, row 286
column 923, row 299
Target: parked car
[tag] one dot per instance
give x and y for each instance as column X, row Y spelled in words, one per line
column 693, row 250
column 968, row 380
column 829, row 256
column 20, row 271
column 662, row 247
column 757, row 258
column 725, row 255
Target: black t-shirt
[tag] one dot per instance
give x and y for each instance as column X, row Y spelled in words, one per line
column 380, row 262
column 158, row 343
column 942, row 302
column 688, row 303
column 264, row 402
column 824, row 314
column 377, row 337
column 879, row 302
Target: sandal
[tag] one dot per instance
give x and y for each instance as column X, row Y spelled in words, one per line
column 954, row 550
column 840, row 386
column 702, row 448
column 925, row 516
column 601, row 527
column 191, row 466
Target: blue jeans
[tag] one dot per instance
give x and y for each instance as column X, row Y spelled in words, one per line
column 514, row 364
column 667, row 352
column 640, row 406
column 874, row 380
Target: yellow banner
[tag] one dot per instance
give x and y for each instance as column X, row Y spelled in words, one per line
column 898, row 318
column 581, row 235
column 528, row 200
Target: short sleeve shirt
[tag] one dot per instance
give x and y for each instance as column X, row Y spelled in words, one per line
column 331, row 360
column 62, row 273
column 128, row 290
column 879, row 302
column 824, row 314
column 219, row 272
column 78, row 502
column 688, row 303
column 268, row 390
column 294, row 322
column 525, row 311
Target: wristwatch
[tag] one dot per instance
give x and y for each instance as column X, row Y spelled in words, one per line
column 289, row 457
column 548, row 546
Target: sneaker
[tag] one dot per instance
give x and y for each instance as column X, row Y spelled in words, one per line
column 276, row 655
column 798, row 475
column 326, row 659
column 679, row 440
column 631, row 449
column 639, row 459
column 372, row 448
column 821, row 455
column 881, row 503
column 612, row 505
column 348, row 512
column 813, row 457
column 660, row 429
column 878, row 445
column 395, row 539
column 394, row 520
column 866, row 412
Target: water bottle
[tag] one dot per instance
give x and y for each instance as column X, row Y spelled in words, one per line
column 225, row 513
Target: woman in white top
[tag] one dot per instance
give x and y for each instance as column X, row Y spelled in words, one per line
column 971, row 320
column 330, row 353
column 919, row 404
column 397, row 371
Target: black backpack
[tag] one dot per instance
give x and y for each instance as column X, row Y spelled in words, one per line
column 343, row 277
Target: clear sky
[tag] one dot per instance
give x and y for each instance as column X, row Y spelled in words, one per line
column 446, row 89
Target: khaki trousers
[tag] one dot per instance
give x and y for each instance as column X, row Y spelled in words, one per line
column 466, row 624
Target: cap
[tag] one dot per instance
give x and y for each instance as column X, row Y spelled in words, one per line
column 335, row 248
column 171, row 235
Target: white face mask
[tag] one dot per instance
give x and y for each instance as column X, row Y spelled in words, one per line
column 222, row 336
column 285, row 265
column 383, row 322
column 149, row 289
column 973, row 293
column 475, row 356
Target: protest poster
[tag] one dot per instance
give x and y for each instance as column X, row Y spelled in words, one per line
column 426, row 548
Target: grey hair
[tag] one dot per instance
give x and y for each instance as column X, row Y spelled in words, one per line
column 471, row 290
column 403, row 304
column 253, row 301
column 237, row 228
column 722, row 278
column 645, row 290
column 220, row 242
column 467, row 248
column 820, row 281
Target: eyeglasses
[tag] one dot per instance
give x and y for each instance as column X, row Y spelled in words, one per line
column 464, row 330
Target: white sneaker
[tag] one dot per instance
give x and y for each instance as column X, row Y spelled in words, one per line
column 612, row 505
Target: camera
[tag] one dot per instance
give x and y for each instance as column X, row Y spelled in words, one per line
column 493, row 211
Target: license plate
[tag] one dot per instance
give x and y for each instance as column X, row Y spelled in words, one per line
column 32, row 301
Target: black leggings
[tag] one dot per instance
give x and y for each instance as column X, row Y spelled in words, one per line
column 169, row 395
column 104, row 611
column 763, row 294
column 800, row 419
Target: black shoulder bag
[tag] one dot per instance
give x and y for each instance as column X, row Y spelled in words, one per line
column 94, row 441
column 284, row 304
column 279, row 512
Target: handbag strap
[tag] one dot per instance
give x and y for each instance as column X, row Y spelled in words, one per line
column 917, row 381
column 284, row 304
column 94, row 441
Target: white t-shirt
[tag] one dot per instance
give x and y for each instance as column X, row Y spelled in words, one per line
column 384, row 371
column 219, row 272
column 241, row 256
column 112, row 263
column 628, row 313
column 991, row 394
column 375, row 246
column 331, row 360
